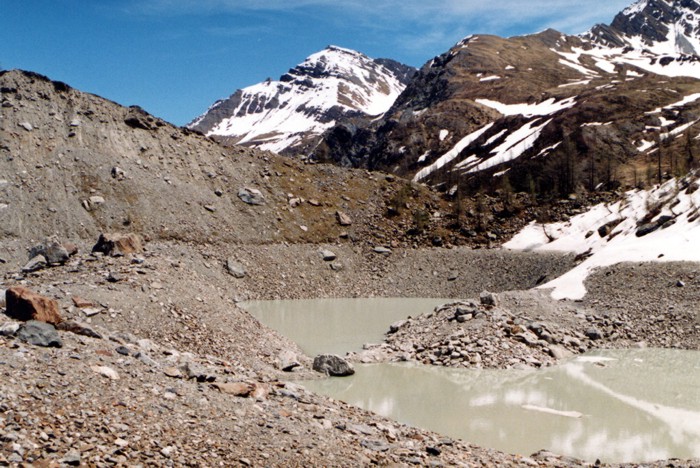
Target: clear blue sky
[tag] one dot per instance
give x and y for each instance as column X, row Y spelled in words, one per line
column 176, row 57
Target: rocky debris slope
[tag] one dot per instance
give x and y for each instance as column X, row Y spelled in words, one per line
column 83, row 168
column 517, row 329
column 289, row 115
column 114, row 399
column 164, row 347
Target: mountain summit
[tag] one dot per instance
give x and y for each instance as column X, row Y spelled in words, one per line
column 290, row 114
column 658, row 26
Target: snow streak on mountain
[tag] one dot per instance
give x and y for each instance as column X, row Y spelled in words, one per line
column 293, row 112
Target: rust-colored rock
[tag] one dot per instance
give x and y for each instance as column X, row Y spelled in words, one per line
column 82, row 303
column 24, row 304
column 118, row 244
column 240, row 389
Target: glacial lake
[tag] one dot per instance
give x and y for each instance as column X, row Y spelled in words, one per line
column 614, row 405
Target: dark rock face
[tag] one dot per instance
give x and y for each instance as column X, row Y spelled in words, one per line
column 591, row 130
column 40, row 334
column 652, row 20
column 332, row 365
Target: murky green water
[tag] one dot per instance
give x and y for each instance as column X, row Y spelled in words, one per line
column 618, row 406
column 336, row 325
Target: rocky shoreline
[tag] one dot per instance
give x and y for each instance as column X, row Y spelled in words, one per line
column 158, row 365
column 519, row 329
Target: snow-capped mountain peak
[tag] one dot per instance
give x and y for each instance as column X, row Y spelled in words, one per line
column 291, row 113
column 657, row 26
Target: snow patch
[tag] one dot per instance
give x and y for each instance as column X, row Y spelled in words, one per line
column 513, row 147
column 674, row 241
column 452, row 154
column 548, row 107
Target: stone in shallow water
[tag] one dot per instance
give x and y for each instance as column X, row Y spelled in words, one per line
column 333, row 365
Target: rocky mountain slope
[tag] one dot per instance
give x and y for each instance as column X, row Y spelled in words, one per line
column 552, row 112
column 289, row 115
column 74, row 164
column 153, row 361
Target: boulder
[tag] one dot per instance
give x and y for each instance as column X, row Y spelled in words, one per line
column 24, row 305
column 52, row 250
column 559, row 352
column 9, row 329
column 287, row 361
column 118, row 244
column 106, row 371
column 138, row 118
column 593, row 334
column 78, row 328
column 251, row 196
column 333, row 365
column 39, row 334
column 382, row 250
column 343, row 218
column 396, row 326
column 488, row 299
column 240, row 389
column 235, row 269
column 327, row 255
column 34, row 264
column 199, row 373
column 71, row 248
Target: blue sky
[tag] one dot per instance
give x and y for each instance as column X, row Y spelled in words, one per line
column 176, row 57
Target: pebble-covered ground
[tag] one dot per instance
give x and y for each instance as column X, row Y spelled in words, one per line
column 179, row 375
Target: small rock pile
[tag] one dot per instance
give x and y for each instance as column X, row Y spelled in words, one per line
column 482, row 335
column 47, row 253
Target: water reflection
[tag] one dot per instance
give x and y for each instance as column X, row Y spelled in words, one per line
column 619, row 406
column 641, row 405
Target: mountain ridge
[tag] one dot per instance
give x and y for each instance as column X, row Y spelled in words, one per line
column 537, row 106
column 290, row 114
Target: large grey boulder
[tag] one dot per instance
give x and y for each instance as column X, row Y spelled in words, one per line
column 35, row 263
column 287, row 361
column 251, row 196
column 52, row 250
column 333, row 365
column 327, row 255
column 40, row 334
column 235, row 269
